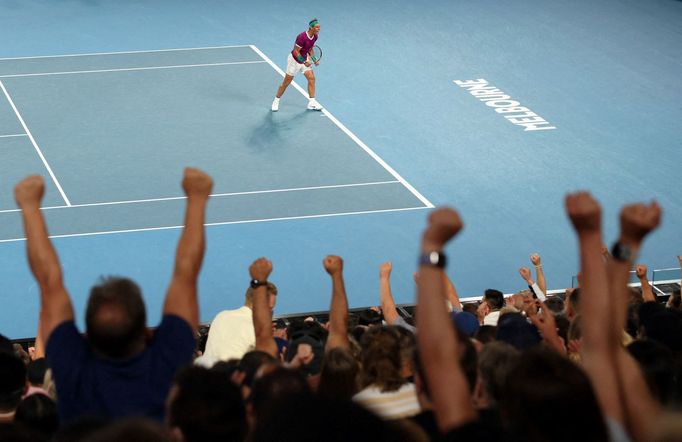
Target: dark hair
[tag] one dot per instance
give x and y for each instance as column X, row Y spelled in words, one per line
column 130, row 430
column 380, row 357
column 280, row 383
column 339, row 376
column 369, row 317
column 495, row 298
column 36, row 371
column 207, row 406
column 115, row 317
column 663, row 325
column 514, row 329
column 486, row 333
column 251, row 362
column 494, row 363
column 543, row 380
column 676, row 299
column 325, row 419
column 12, row 381
column 658, row 366
column 555, row 304
column 39, row 413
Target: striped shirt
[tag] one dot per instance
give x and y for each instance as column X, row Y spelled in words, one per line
column 388, row 405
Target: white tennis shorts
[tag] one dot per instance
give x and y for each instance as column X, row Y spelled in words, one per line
column 294, row 67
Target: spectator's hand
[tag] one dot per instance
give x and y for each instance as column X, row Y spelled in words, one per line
column 333, row 264
column 525, row 274
column 444, row 223
column 304, row 356
column 385, row 270
column 196, row 183
column 546, row 324
column 605, row 252
column 574, row 345
column 29, row 191
column 641, row 270
column 535, row 259
column 260, row 269
column 637, row 220
column 584, row 212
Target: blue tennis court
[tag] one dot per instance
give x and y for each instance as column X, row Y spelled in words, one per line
column 423, row 105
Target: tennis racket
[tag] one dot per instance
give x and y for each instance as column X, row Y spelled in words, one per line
column 315, row 54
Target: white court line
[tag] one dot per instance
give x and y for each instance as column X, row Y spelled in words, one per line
column 351, row 135
column 97, row 71
column 286, row 218
column 35, row 145
column 214, row 195
column 125, row 52
column 13, row 135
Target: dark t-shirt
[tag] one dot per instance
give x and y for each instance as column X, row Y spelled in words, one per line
column 89, row 385
column 305, row 43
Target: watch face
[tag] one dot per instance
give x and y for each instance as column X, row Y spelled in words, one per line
column 621, row 252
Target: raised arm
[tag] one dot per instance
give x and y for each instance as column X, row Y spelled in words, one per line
column 647, row 290
column 338, row 313
column 532, row 285
column 438, row 347
column 539, row 273
column 597, row 355
column 55, row 304
column 386, row 295
column 262, row 314
column 641, row 410
column 181, row 298
column 451, row 294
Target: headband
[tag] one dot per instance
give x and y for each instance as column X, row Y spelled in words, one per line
column 313, row 23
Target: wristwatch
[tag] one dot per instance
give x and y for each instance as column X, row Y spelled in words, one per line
column 621, row 252
column 255, row 283
column 433, row 259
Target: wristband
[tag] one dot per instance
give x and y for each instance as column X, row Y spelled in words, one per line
column 255, row 283
column 433, row 259
column 300, row 59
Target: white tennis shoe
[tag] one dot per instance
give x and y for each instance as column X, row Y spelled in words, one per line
column 314, row 105
column 275, row 105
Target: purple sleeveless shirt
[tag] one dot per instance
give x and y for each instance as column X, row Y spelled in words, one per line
column 305, row 43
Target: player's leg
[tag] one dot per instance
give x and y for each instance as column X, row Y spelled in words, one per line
column 280, row 91
column 312, row 104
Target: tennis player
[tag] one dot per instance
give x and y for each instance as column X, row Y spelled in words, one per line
column 299, row 61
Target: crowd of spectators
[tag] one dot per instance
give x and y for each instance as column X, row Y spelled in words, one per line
column 603, row 362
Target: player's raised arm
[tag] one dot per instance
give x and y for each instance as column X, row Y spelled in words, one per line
column 55, row 304
column 181, row 298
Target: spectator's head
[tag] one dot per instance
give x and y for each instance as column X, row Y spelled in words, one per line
column 555, row 304
column 663, row 325
column 12, row 382
column 205, row 405
column 466, row 323
column 495, row 362
column 380, row 358
column 408, row 345
column 130, row 430
column 470, row 307
column 658, row 367
column 325, row 419
column 369, row 317
column 115, row 318
column 339, row 377
column 514, row 329
column 251, row 362
column 573, row 303
column 486, row 333
column 36, row 372
column 543, row 380
column 272, row 296
column 6, row 345
column 494, row 298
column 38, row 412
column 310, row 333
column 280, row 383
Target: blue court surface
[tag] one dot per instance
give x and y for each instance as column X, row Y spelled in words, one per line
column 497, row 109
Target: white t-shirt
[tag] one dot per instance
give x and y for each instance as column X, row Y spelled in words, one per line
column 231, row 334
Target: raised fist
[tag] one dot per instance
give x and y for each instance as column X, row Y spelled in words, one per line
column 640, row 271
column 29, row 191
column 637, row 220
column 525, row 273
column 385, row 269
column 444, row 223
column 584, row 212
column 260, row 269
column 333, row 264
column 535, row 259
column 196, row 183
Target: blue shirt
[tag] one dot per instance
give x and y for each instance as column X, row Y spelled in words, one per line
column 88, row 384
